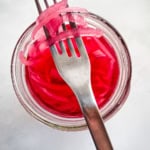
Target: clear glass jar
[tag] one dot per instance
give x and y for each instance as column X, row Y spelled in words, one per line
column 117, row 99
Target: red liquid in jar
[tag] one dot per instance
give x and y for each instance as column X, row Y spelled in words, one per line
column 53, row 94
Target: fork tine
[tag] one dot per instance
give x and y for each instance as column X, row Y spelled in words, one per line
column 71, row 47
column 79, row 41
column 62, row 47
column 70, row 44
column 38, row 6
column 46, row 3
column 54, row 51
column 81, row 46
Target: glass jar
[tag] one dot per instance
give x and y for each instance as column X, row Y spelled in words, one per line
column 64, row 123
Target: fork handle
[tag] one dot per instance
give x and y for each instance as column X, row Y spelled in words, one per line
column 93, row 119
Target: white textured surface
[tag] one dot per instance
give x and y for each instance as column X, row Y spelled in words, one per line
column 129, row 129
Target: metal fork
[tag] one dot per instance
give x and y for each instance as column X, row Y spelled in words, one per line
column 76, row 72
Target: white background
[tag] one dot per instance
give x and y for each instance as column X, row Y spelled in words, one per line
column 129, row 129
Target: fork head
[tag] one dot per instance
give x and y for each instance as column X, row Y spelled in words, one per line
column 74, row 69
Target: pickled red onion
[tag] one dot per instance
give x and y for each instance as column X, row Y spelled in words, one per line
column 43, row 80
column 75, row 33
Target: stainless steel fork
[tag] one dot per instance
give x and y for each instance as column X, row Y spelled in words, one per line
column 76, row 72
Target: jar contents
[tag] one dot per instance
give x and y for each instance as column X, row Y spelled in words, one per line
column 43, row 80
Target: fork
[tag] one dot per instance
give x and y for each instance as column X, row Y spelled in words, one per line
column 76, row 72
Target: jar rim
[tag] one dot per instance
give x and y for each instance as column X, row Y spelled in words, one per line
column 81, row 123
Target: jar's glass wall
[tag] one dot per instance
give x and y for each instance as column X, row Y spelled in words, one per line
column 117, row 100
